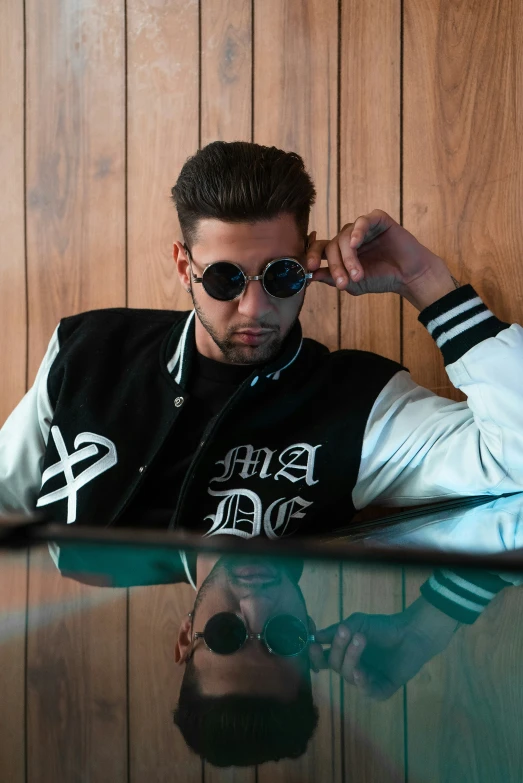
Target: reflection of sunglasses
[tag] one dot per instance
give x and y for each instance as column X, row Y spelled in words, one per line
column 281, row 278
column 283, row 634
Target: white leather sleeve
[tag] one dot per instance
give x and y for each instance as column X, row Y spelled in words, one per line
column 420, row 447
column 23, row 439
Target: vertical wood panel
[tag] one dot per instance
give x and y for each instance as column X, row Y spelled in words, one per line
column 13, row 350
column 13, row 595
column 75, row 162
column 12, row 243
column 157, row 749
column 162, row 68
column 370, row 154
column 76, row 679
column 373, row 730
column 77, row 727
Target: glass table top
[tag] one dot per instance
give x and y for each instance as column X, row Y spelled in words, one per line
column 133, row 655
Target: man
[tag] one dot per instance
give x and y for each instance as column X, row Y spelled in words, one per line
column 226, row 421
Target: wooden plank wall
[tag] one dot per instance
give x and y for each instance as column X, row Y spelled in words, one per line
column 406, row 106
column 13, row 350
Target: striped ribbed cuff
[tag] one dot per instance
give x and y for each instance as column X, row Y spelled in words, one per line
column 462, row 594
column 459, row 321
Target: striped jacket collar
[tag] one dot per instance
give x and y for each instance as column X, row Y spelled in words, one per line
column 181, row 349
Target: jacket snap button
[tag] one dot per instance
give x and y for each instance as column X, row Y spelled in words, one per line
column 178, row 401
column 140, row 470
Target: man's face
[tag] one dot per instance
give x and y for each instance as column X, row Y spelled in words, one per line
column 252, row 247
column 253, row 669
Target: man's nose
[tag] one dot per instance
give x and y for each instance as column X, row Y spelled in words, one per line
column 255, row 302
column 256, row 608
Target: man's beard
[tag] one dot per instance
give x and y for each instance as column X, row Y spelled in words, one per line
column 235, row 354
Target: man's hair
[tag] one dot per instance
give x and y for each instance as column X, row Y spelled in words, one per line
column 244, row 730
column 241, row 182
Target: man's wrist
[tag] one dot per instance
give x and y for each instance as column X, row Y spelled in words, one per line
column 431, row 620
column 435, row 283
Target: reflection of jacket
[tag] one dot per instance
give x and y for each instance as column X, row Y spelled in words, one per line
column 301, row 444
column 493, row 527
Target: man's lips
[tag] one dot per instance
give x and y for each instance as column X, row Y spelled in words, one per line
column 246, row 571
column 256, row 332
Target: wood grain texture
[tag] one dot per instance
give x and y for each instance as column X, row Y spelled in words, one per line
column 76, row 679
column 163, row 116
column 370, row 155
column 469, row 699
column 13, row 350
column 75, row 162
column 157, row 749
column 13, row 593
column 373, row 730
column 12, row 243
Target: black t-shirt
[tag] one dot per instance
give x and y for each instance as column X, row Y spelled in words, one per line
column 211, row 384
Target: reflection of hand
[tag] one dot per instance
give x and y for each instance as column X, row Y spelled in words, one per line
column 380, row 653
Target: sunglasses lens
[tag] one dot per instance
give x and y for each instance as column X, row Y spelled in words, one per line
column 224, row 633
column 223, row 281
column 284, row 278
column 286, row 635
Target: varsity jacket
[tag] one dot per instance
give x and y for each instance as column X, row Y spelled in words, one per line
column 306, row 440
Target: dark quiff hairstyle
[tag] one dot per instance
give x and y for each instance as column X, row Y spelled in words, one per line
column 241, row 182
column 242, row 731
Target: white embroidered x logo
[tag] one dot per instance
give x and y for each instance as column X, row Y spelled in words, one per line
column 65, row 466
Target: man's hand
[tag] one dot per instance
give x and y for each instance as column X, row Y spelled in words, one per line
column 380, row 653
column 376, row 255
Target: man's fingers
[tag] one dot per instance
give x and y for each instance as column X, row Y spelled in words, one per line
column 317, row 657
column 326, row 635
column 339, row 645
column 352, row 659
column 337, row 267
column 313, row 254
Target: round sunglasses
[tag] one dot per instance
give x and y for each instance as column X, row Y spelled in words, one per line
column 225, row 633
column 223, row 280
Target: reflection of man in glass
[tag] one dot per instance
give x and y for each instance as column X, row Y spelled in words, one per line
column 255, row 703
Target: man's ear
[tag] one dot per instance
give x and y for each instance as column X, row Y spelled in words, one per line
column 182, row 264
column 183, row 643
